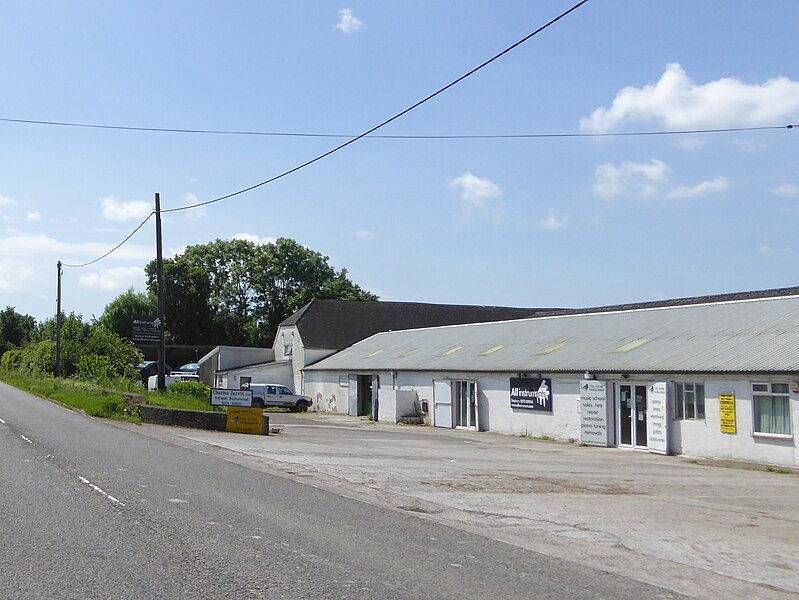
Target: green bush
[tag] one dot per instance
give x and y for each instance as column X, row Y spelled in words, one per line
column 193, row 389
column 11, row 360
column 95, row 367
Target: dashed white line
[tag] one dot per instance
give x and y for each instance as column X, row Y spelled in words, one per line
column 27, row 440
column 3, row 422
column 100, row 491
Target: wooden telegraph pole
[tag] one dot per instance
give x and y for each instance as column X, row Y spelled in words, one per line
column 57, row 372
column 159, row 273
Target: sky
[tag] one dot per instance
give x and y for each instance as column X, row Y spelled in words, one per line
column 566, row 221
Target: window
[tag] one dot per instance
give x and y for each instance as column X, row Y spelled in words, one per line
column 772, row 407
column 689, row 400
column 244, row 383
column 288, row 349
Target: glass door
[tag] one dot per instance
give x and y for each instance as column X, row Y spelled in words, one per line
column 632, row 415
column 465, row 404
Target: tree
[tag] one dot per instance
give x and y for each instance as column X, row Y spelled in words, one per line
column 235, row 292
column 90, row 351
column 15, row 329
column 119, row 314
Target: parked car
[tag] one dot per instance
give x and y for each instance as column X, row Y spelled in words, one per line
column 274, row 394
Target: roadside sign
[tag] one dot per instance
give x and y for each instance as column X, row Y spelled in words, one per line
column 147, row 331
column 245, row 420
column 221, row 397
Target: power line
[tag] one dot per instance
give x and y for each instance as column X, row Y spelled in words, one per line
column 389, row 120
column 467, row 136
column 114, row 249
column 340, row 146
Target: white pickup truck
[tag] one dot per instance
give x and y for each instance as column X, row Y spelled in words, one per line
column 274, row 394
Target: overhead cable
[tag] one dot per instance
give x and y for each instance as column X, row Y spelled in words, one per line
column 456, row 136
column 387, row 121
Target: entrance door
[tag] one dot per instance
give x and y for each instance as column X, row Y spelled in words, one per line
column 632, row 415
column 465, row 404
column 364, row 395
column 442, row 403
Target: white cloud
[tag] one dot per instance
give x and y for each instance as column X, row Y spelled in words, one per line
column 347, row 22
column 691, row 142
column 47, row 248
column 16, row 274
column 765, row 249
column 786, row 189
column 257, row 240
column 114, row 279
column 7, row 201
column 200, row 212
column 364, row 235
column 115, row 210
column 553, row 222
column 473, row 191
column 629, row 178
column 713, row 186
column 32, row 216
column 678, row 103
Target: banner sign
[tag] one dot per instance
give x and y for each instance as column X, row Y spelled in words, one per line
column 657, row 421
column 594, row 413
column 147, row 331
column 220, row 397
column 727, row 412
column 531, row 394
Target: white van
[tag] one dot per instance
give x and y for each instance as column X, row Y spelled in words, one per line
column 274, row 394
column 152, row 382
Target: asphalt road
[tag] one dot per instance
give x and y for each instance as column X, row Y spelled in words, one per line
column 92, row 510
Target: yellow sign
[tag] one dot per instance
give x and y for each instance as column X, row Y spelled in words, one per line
column 727, row 413
column 245, row 420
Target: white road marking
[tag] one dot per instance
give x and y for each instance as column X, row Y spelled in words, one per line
column 27, row 440
column 100, row 491
column 3, row 422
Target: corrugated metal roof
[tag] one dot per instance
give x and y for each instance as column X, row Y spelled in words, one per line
column 760, row 335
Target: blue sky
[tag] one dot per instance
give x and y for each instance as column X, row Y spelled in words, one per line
column 515, row 222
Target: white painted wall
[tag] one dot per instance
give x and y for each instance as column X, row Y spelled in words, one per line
column 702, row 439
column 705, row 439
column 393, row 405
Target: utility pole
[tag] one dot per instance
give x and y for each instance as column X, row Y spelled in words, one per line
column 159, row 273
column 57, row 372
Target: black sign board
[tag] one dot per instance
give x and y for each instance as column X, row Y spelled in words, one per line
column 531, row 394
column 147, row 331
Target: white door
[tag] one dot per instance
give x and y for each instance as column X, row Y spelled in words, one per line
column 442, row 403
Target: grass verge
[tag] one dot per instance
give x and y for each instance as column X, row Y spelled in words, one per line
column 106, row 400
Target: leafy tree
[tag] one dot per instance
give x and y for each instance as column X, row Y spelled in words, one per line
column 79, row 342
column 15, row 329
column 119, row 314
column 235, row 292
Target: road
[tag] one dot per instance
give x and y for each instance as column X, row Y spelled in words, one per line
column 91, row 509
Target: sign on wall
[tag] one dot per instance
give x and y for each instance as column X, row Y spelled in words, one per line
column 531, row 394
column 594, row 413
column 727, row 412
column 657, row 421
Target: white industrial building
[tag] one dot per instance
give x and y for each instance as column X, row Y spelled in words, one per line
column 715, row 377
